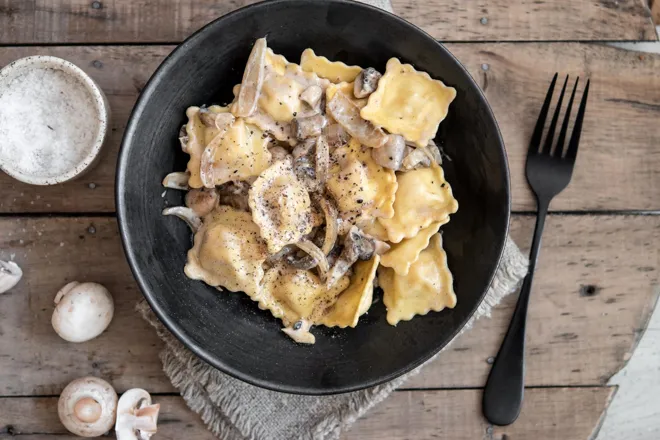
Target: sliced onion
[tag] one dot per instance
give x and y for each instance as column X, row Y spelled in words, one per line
column 347, row 114
column 322, row 162
column 253, row 79
column 331, row 228
column 317, row 254
column 178, row 180
column 185, row 214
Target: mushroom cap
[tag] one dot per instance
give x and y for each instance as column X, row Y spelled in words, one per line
column 83, row 311
column 78, row 407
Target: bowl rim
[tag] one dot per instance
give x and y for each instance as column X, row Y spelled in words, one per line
column 150, row 296
column 102, row 108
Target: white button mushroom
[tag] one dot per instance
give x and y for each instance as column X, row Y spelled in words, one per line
column 82, row 312
column 137, row 418
column 87, row 407
column 10, row 275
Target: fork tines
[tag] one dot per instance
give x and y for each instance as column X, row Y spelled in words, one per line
column 571, row 151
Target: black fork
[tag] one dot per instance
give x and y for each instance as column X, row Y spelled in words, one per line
column 548, row 172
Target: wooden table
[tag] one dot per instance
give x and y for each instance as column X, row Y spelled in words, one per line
column 598, row 268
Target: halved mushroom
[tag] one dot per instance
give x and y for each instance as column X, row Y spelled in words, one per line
column 137, row 418
column 10, row 275
column 202, row 201
column 87, row 407
column 82, row 312
column 307, row 127
column 312, row 96
column 186, row 214
column 391, row 154
column 253, row 79
column 177, row 180
column 366, row 82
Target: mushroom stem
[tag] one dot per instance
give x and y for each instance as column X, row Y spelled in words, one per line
column 185, row 214
column 137, row 418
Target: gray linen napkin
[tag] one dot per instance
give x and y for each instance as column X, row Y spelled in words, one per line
column 235, row 410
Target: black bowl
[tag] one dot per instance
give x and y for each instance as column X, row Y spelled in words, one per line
column 227, row 330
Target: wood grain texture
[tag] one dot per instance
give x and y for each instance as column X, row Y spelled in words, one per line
column 655, row 12
column 618, row 166
column 86, row 21
column 530, row 20
column 576, row 335
column 549, row 414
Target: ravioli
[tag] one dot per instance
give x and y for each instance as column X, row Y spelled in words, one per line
column 359, row 185
column 373, row 228
column 409, row 103
column 293, row 295
column 228, row 251
column 280, row 206
column 403, row 254
column 356, row 299
column 423, row 197
column 347, row 89
column 279, row 100
column 335, row 71
column 427, row 287
column 239, row 153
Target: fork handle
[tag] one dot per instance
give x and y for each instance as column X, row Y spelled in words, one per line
column 505, row 387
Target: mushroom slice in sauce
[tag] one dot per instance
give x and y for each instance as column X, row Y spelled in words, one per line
column 336, row 135
column 415, row 158
column 186, row 214
column 312, row 96
column 366, row 82
column 310, row 126
column 346, row 113
column 253, row 79
column 357, row 246
column 202, row 201
column 234, row 194
column 391, row 154
column 177, row 180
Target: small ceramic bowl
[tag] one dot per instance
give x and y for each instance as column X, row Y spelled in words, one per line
column 53, row 120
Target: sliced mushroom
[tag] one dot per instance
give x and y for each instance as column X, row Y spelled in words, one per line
column 202, row 201
column 336, row 135
column 357, row 246
column 304, row 148
column 366, row 82
column 10, row 275
column 312, row 96
column 253, row 79
column 331, row 227
column 278, row 153
column 415, row 158
column 322, row 162
column 235, row 194
column 300, row 333
column 183, row 138
column 87, row 407
column 207, row 117
column 223, row 121
column 137, row 418
column 177, row 180
column 82, row 312
column 346, row 113
column 317, row 256
column 391, row 154
column 186, row 214
column 310, row 126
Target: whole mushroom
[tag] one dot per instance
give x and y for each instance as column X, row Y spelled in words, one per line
column 87, row 407
column 137, row 418
column 82, row 312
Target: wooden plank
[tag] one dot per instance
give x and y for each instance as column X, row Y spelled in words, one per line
column 585, row 314
column 655, row 12
column 550, row 414
column 574, row 337
column 529, row 20
column 619, row 139
column 85, row 21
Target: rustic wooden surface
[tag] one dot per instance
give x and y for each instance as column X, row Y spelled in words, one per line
column 426, row 413
column 598, row 272
column 129, row 21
